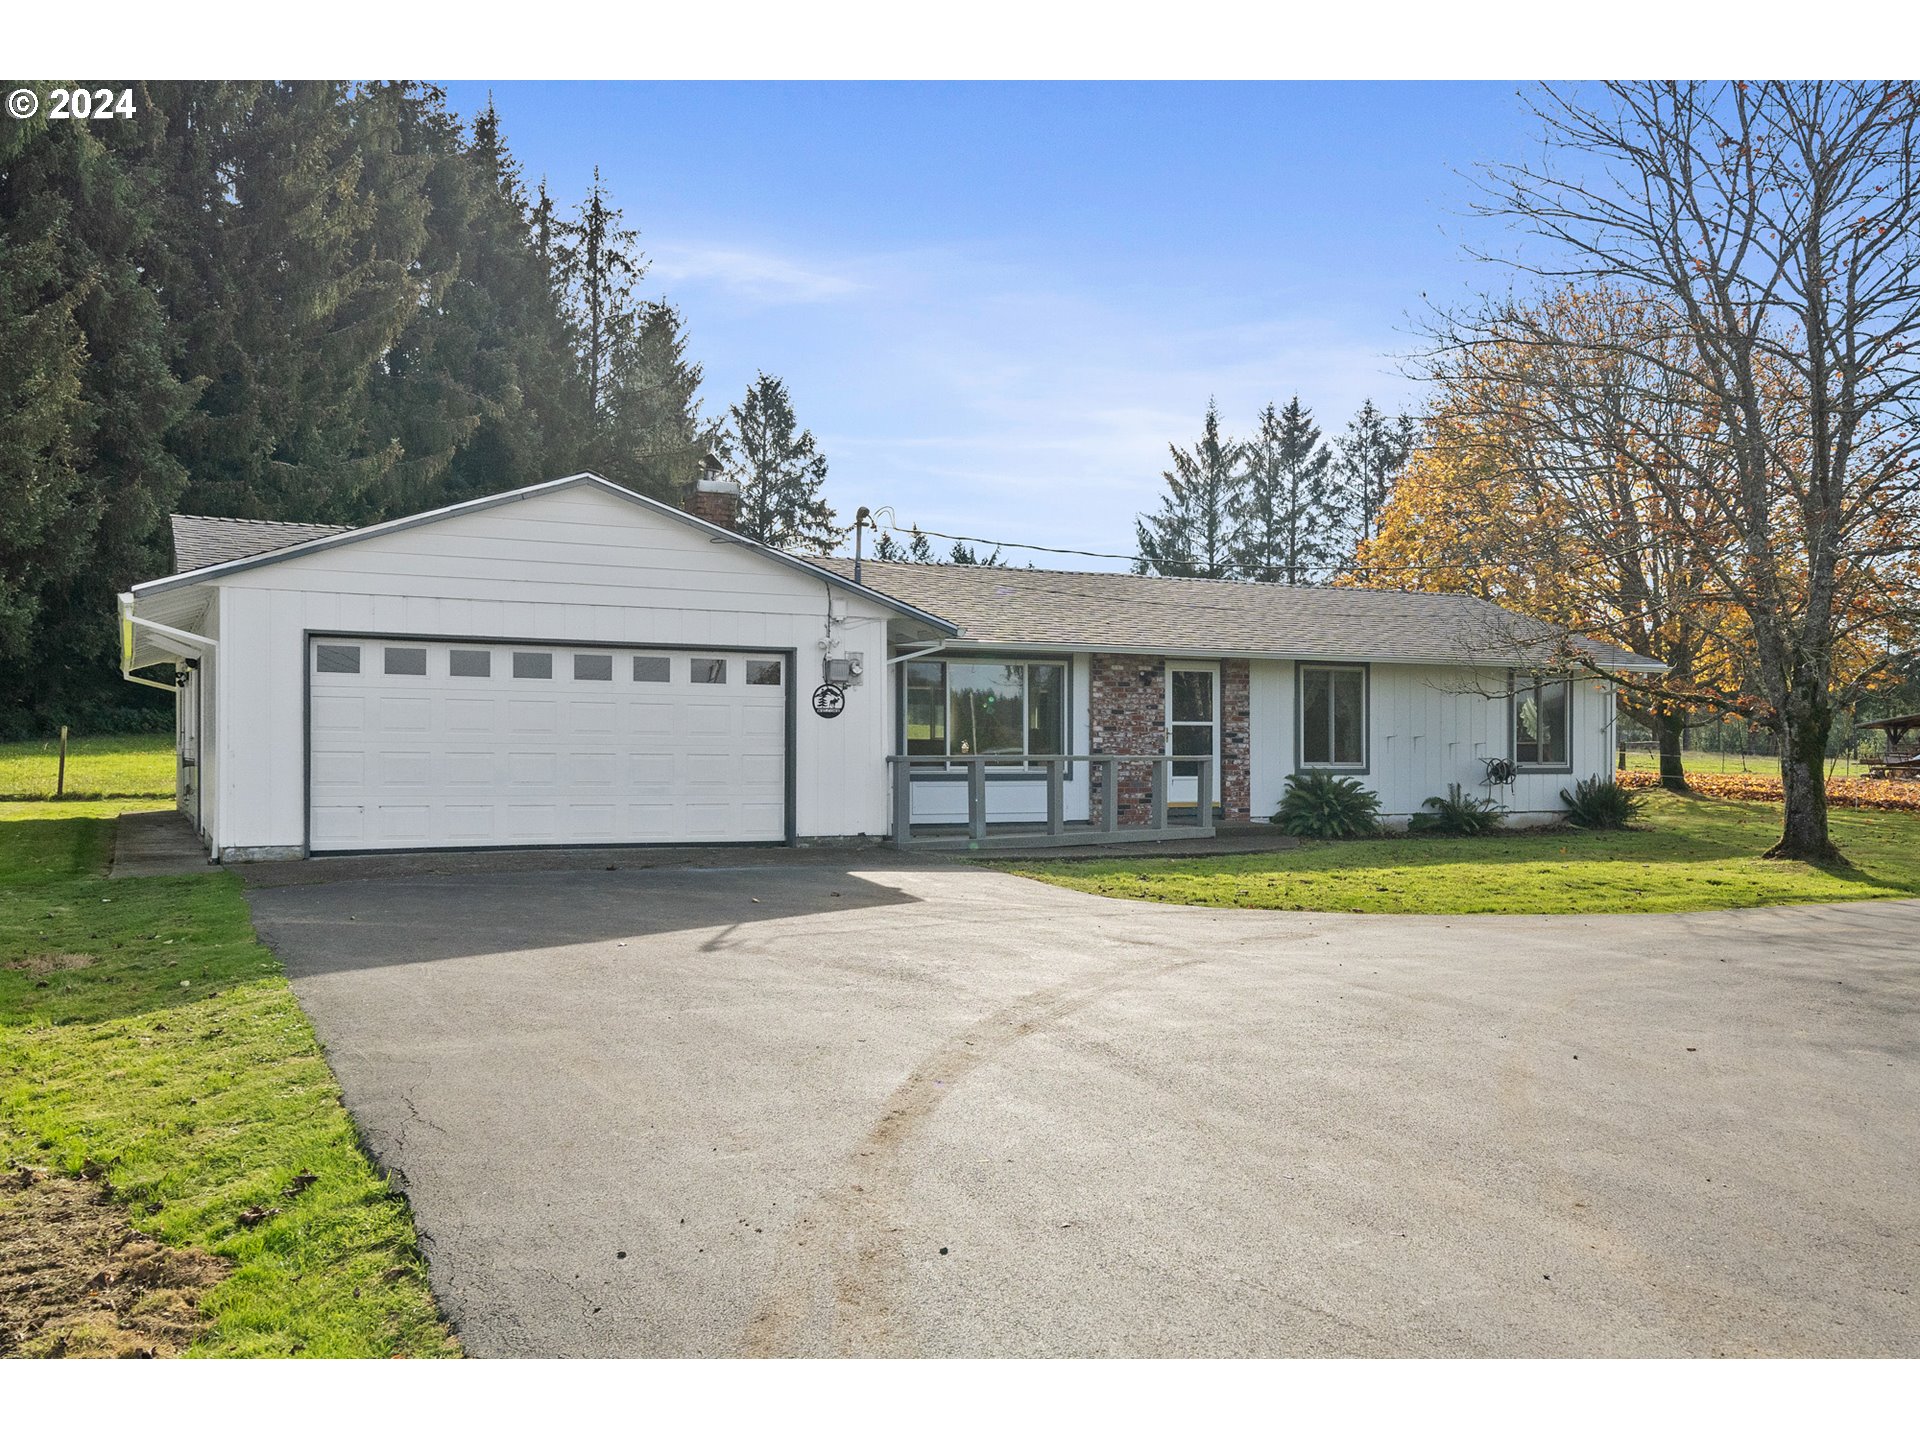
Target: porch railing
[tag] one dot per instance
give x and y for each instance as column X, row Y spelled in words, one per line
column 1052, row 770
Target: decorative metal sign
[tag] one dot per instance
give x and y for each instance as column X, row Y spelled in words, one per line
column 829, row 701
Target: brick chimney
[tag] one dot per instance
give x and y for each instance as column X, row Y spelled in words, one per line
column 716, row 497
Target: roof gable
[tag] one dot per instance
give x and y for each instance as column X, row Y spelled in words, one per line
column 239, row 542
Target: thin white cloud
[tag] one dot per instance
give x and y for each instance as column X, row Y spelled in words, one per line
column 751, row 274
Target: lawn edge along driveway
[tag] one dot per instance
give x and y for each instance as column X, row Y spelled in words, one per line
column 150, row 1043
column 1684, row 854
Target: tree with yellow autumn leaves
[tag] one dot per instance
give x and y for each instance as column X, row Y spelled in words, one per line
column 1764, row 241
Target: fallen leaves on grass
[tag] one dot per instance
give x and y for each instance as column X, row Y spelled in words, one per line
column 1844, row 793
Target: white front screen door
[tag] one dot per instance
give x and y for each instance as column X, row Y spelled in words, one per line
column 1193, row 727
column 424, row 744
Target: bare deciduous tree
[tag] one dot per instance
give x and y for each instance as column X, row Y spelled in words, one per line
column 1778, row 227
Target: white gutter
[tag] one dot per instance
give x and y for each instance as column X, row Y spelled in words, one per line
column 200, row 644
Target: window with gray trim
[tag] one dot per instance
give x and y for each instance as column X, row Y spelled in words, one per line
column 1333, row 717
column 532, row 665
column 985, row 707
column 337, row 659
column 470, row 664
column 653, row 669
column 593, row 667
column 406, row 660
column 1543, row 723
column 763, row 672
column 707, row 671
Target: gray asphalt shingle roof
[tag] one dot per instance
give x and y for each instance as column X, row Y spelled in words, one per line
column 203, row 540
column 1101, row 610
column 1089, row 610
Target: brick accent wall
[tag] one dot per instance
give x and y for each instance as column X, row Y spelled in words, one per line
column 1236, row 739
column 1127, row 704
column 1127, row 708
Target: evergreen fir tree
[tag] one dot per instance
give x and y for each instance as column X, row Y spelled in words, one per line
column 304, row 239
column 780, row 471
column 1373, row 452
column 1288, row 513
column 885, row 547
column 919, row 548
column 86, row 401
column 964, row 554
column 1193, row 533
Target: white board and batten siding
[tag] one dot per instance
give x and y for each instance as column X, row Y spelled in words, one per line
column 571, row 568
column 1429, row 726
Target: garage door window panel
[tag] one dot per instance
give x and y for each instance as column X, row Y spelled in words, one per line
column 532, row 665
column 652, row 669
column 593, row 667
column 470, row 664
column 763, row 672
column 406, row 660
column 337, row 659
column 709, row 671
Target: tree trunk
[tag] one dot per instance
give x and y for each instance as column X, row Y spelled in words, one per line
column 1670, row 729
column 1803, row 778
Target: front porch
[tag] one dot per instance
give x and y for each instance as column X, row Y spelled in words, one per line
column 1167, row 818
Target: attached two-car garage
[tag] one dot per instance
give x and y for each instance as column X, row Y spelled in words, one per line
column 423, row 743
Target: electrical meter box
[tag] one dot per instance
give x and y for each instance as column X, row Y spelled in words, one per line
column 846, row 670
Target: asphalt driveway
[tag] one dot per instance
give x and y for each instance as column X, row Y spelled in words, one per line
column 860, row 1107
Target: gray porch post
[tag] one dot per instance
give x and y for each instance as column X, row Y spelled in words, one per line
column 1203, row 813
column 1109, row 793
column 902, row 802
column 977, row 798
column 1162, row 776
column 1056, row 796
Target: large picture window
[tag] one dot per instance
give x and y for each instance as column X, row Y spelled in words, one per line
column 956, row 708
column 1333, row 716
column 1542, row 724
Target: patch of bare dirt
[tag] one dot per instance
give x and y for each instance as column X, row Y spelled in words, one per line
column 77, row 1280
column 47, row 964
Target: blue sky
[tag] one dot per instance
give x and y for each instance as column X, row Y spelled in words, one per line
column 996, row 304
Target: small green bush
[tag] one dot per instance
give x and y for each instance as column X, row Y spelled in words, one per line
column 1319, row 806
column 1600, row 803
column 1456, row 813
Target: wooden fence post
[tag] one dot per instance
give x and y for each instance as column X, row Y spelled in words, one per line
column 60, row 785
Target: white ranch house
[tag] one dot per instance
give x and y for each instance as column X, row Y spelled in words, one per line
column 574, row 664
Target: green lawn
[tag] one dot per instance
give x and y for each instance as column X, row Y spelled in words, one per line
column 146, row 1032
column 105, row 765
column 1684, row 854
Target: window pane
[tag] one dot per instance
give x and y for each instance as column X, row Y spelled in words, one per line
column 1349, row 718
column 1046, row 709
column 926, row 707
column 1193, row 695
column 654, row 669
column 1553, row 723
column 337, row 659
column 406, row 660
column 532, row 665
column 985, row 708
column 763, row 672
column 476, row 664
column 709, row 672
column 1526, row 728
column 593, row 667
column 1316, row 717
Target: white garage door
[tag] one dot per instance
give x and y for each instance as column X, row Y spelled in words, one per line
column 422, row 744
